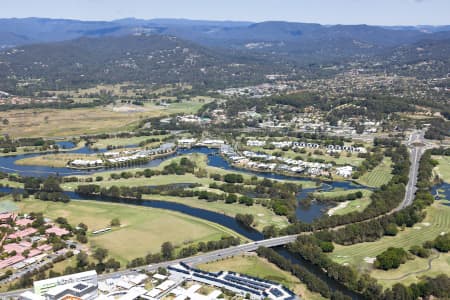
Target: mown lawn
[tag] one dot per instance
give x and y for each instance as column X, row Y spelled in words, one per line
column 263, row 216
column 378, row 176
column 436, row 222
column 256, row 266
column 141, row 229
column 443, row 169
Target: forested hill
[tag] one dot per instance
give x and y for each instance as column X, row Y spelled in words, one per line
column 154, row 58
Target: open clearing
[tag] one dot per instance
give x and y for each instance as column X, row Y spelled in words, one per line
column 349, row 206
column 69, row 122
column 141, row 228
column 79, row 121
column 443, row 169
column 378, row 176
column 436, row 222
column 256, row 266
column 117, row 142
column 53, row 160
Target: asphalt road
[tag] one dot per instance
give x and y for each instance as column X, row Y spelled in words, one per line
column 416, row 144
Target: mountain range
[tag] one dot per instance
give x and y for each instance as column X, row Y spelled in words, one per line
column 164, row 50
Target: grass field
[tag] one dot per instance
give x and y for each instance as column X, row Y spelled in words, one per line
column 263, row 216
column 256, row 266
column 70, row 122
column 13, row 184
column 436, row 222
column 7, row 205
column 378, row 176
column 347, row 206
column 143, row 181
column 74, row 122
column 355, row 205
column 443, row 169
column 141, row 227
column 413, row 270
column 103, row 143
column 53, row 160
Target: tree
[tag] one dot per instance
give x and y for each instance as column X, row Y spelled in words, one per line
column 100, row 254
column 51, row 185
column 167, row 250
column 115, row 222
column 82, row 259
column 391, row 229
column 392, row 258
column 17, row 196
column 245, row 219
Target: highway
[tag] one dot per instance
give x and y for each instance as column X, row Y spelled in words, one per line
column 417, row 146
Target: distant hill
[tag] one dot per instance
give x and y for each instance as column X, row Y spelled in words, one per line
column 208, row 53
column 150, row 59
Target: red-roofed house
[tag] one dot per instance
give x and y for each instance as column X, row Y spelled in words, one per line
column 45, row 247
column 23, row 222
column 34, row 252
column 23, row 233
column 6, row 217
column 14, row 247
column 57, row 231
column 11, row 261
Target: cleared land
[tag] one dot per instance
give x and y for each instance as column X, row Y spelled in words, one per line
column 443, row 169
column 141, row 227
column 13, row 184
column 118, row 142
column 256, row 266
column 436, row 222
column 53, row 160
column 378, row 176
column 74, row 122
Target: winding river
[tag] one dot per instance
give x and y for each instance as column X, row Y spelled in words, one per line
column 304, row 213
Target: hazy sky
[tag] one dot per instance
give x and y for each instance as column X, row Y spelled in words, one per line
column 381, row 12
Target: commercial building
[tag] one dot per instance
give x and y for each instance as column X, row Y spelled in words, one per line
column 88, row 278
column 243, row 285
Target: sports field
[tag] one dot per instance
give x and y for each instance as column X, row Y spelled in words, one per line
column 258, row 267
column 443, row 169
column 436, row 222
column 141, row 227
column 378, row 176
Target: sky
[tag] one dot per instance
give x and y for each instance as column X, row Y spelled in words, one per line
column 372, row 12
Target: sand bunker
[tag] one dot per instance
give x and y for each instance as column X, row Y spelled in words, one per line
column 370, row 260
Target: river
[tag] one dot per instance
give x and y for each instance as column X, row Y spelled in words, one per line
column 304, row 213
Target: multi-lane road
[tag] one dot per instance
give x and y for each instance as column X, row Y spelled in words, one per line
column 417, row 146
